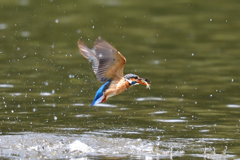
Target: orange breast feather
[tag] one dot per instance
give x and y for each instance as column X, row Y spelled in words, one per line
column 116, row 88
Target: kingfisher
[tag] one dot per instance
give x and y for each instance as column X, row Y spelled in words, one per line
column 108, row 64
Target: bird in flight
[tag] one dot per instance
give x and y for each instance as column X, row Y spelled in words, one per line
column 108, row 64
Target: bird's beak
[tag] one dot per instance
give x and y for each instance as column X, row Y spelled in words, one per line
column 144, row 81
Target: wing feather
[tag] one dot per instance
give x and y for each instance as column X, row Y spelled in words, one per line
column 111, row 62
column 87, row 53
column 107, row 62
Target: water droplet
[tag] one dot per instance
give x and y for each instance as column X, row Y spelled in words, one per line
column 25, row 33
column 156, row 62
column 3, row 26
column 24, row 2
column 71, row 76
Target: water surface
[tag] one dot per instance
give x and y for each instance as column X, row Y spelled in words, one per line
column 188, row 50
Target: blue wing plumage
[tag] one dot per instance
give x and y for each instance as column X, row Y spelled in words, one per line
column 99, row 95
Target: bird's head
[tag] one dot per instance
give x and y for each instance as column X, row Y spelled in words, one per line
column 134, row 79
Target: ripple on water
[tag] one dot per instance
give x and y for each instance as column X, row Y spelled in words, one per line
column 45, row 94
column 123, row 108
column 83, row 115
column 159, row 112
column 170, row 120
column 78, row 104
column 15, row 94
column 233, row 106
column 105, row 105
column 149, row 99
column 6, row 86
column 204, row 130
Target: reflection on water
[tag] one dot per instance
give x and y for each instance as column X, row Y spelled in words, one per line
column 188, row 49
column 49, row 146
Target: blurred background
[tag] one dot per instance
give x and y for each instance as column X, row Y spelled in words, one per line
column 189, row 50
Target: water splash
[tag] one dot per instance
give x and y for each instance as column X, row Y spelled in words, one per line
column 51, row 146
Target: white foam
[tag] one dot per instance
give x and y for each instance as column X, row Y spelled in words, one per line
column 79, row 146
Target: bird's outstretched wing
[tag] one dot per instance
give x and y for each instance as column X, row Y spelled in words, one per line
column 107, row 62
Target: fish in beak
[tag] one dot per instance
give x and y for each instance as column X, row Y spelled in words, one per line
column 144, row 81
